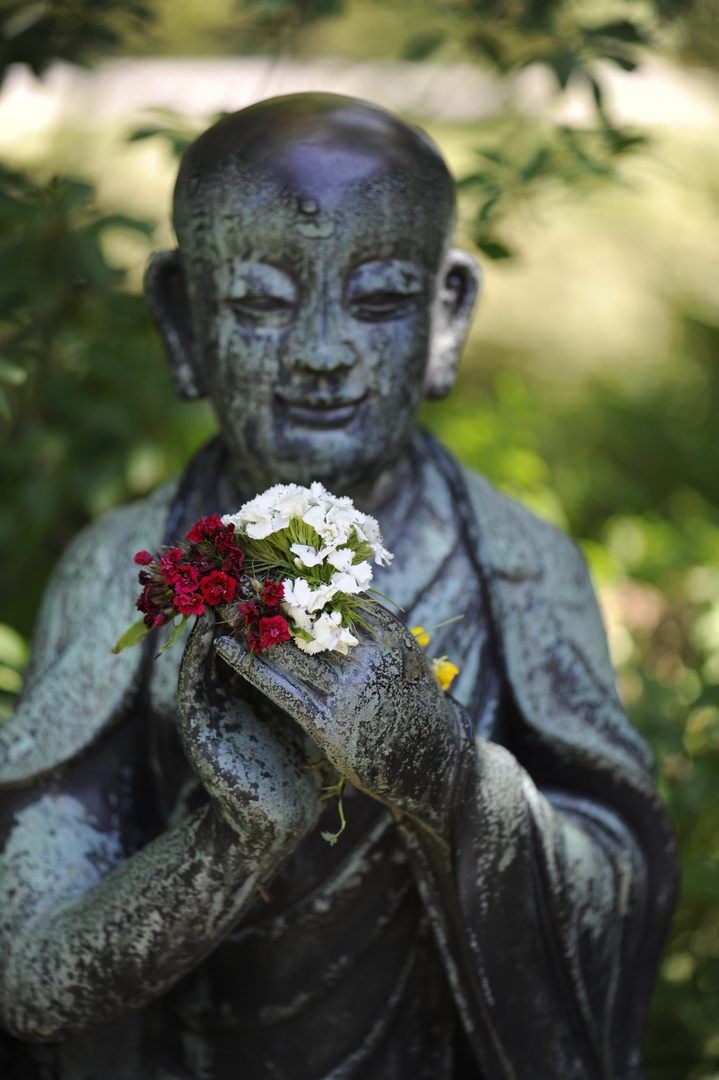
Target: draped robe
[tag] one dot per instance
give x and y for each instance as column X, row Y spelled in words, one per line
column 526, row 948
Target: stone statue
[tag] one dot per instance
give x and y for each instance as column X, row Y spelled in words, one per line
column 168, row 908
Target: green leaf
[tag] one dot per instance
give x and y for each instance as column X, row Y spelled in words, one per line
column 597, row 93
column 563, row 64
column 477, row 179
column 623, row 30
column 12, row 374
column 124, row 221
column 538, row 165
column 131, row 637
column 176, row 631
column 487, row 209
column 493, row 155
column 620, row 59
column 422, row 46
column 495, row 249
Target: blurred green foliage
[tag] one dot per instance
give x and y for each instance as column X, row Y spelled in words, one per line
column 90, row 419
column 37, row 33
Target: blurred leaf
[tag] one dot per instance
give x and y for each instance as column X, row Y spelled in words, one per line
column 75, row 30
column 494, row 248
column 624, row 30
column 12, row 374
column 423, row 46
column 563, row 63
column 135, row 634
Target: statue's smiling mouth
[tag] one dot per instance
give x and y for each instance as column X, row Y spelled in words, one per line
column 318, row 411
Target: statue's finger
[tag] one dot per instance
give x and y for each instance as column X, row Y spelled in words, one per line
column 193, row 706
column 284, row 689
column 196, row 651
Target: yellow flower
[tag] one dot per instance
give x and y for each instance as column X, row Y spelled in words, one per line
column 444, row 670
column 421, row 634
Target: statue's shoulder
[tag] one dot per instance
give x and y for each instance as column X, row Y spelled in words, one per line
column 553, row 638
column 97, row 570
column 518, row 545
column 74, row 687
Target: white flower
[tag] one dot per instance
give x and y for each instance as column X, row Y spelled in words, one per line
column 362, row 573
column 351, row 577
column 271, row 511
column 381, row 556
column 292, row 503
column 329, row 635
column 307, row 556
column 346, row 583
column 297, row 593
column 368, row 529
column 298, row 615
column 321, row 596
column 328, row 524
column 333, row 518
column 341, row 558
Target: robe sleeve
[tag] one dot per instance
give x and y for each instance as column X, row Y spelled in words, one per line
column 551, row 898
column 74, row 687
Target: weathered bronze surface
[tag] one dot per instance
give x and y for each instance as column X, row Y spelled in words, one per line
column 168, row 909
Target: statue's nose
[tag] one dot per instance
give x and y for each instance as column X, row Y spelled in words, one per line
column 321, row 356
column 318, row 346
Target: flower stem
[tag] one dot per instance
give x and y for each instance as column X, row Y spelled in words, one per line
column 338, row 790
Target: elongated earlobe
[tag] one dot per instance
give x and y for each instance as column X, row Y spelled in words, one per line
column 459, row 285
column 166, row 293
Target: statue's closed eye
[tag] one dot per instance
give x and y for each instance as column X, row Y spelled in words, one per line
column 258, row 306
column 380, row 306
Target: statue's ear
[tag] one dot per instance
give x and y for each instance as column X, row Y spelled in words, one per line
column 166, row 292
column 459, row 283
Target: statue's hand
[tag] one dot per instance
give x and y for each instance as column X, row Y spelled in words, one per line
column 379, row 714
column 253, row 767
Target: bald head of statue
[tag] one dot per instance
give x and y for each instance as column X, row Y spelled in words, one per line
column 314, row 296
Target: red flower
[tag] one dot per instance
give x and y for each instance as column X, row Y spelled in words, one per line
column 225, row 541
column 218, row 586
column 272, row 593
column 143, row 558
column 249, row 611
column 147, row 604
column 205, row 529
column 187, row 580
column 169, row 565
column 273, row 630
column 254, row 640
column 189, row 604
column 232, row 563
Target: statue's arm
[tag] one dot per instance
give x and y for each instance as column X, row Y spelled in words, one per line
column 86, row 936
column 552, row 889
column 91, row 926
column 538, row 900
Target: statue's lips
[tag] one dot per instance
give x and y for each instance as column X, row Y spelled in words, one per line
column 321, row 414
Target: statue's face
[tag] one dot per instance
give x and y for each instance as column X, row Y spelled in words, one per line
column 314, row 313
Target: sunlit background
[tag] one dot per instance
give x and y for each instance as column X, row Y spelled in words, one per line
column 585, row 139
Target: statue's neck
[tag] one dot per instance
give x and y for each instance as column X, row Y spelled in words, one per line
column 388, row 496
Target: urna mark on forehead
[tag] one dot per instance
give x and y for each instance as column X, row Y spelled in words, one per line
column 314, row 158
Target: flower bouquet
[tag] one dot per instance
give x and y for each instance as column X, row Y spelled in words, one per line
column 290, row 564
column 295, row 563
